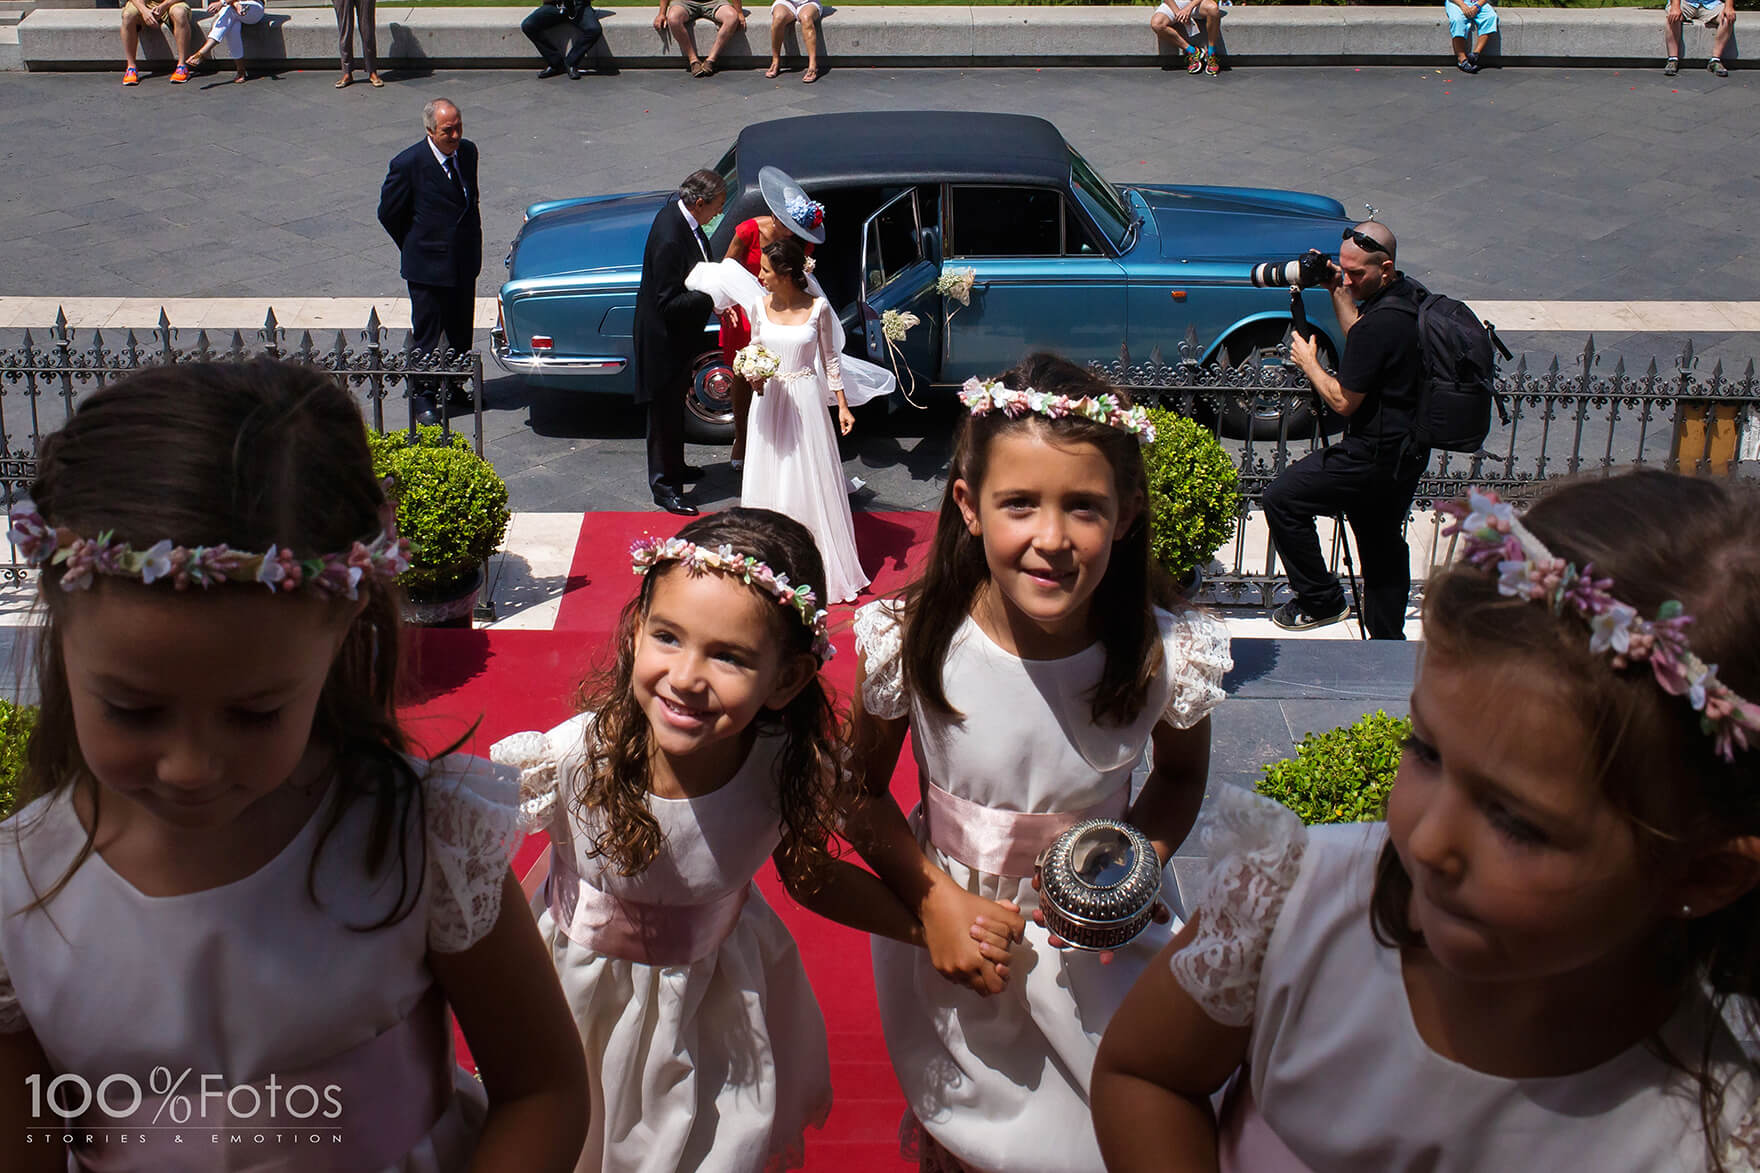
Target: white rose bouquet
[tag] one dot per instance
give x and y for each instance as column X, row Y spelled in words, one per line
column 755, row 363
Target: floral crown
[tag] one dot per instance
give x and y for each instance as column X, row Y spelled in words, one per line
column 982, row 396
column 648, row 553
column 1526, row 569
column 337, row 575
column 808, row 213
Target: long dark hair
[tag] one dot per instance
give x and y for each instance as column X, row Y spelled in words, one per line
column 1124, row 622
column 1659, row 537
column 252, row 455
column 615, row 778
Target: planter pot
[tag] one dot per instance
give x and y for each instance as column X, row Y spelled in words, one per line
column 450, row 609
column 1192, row 583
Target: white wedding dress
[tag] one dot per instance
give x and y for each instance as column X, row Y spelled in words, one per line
column 792, row 463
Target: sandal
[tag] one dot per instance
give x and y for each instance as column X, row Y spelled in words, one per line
column 708, row 67
column 774, row 70
column 699, row 68
column 1672, row 67
column 131, row 76
column 180, row 74
column 378, row 82
column 1716, row 66
column 809, row 77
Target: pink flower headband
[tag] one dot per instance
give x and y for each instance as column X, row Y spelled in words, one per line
column 337, row 575
column 982, row 396
column 649, row 552
column 1526, row 569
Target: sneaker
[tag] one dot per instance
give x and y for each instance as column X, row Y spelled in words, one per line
column 180, row 74
column 1211, row 65
column 1291, row 617
column 131, row 76
column 1673, row 67
column 1717, row 67
column 1194, row 61
column 1467, row 65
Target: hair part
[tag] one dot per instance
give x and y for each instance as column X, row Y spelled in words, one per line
column 1659, row 537
column 612, row 788
column 251, row 455
column 1122, row 606
column 788, row 258
column 700, row 187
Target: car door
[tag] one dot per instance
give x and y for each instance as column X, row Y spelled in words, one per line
column 898, row 274
column 1041, row 281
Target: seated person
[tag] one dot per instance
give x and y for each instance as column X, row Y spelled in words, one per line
column 1716, row 14
column 1179, row 24
column 677, row 15
column 154, row 14
column 230, row 17
column 554, row 14
column 784, row 13
column 1482, row 17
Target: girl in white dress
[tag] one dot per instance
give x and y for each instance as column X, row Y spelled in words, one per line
column 1532, row 963
column 792, row 464
column 230, row 889
column 1031, row 664
column 712, row 747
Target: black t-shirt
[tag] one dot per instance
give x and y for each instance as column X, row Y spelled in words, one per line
column 1381, row 362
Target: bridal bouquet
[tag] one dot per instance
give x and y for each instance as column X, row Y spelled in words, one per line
column 957, row 284
column 755, row 363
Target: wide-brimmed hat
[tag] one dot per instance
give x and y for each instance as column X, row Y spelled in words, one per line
column 790, row 204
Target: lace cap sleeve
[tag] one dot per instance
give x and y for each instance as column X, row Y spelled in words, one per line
column 1254, row 850
column 880, row 647
column 11, row 1014
column 1196, row 647
column 543, row 761
column 472, row 829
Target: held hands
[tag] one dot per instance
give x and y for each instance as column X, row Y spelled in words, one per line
column 968, row 937
column 1161, row 916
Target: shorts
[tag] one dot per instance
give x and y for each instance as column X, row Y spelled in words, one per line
column 1188, row 27
column 1707, row 11
column 170, row 13
column 699, row 9
column 794, row 6
column 1484, row 21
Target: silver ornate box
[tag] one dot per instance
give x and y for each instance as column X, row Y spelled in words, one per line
column 1098, row 883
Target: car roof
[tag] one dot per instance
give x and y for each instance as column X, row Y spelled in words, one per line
column 839, row 150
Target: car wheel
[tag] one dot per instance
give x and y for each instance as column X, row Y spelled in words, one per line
column 708, row 406
column 1259, row 345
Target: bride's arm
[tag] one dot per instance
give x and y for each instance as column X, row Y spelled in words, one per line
column 828, row 353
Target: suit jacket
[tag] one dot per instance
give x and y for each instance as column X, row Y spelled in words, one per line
column 439, row 232
column 669, row 318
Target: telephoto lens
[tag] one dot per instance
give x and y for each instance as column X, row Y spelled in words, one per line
column 1276, row 274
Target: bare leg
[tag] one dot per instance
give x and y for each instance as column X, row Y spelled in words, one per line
column 1479, row 45
column 1460, row 48
column 810, row 34
column 1210, row 20
column 1169, row 33
column 131, row 36
column 183, row 28
column 1671, row 32
column 1726, row 30
column 730, row 20
column 676, row 20
column 780, row 19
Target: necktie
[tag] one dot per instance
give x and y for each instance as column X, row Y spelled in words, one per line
column 452, row 174
column 702, row 242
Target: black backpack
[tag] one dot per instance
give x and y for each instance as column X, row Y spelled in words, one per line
column 1455, row 385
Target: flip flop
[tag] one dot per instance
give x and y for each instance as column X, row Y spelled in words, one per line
column 346, row 80
column 378, row 82
column 809, row 77
column 773, row 71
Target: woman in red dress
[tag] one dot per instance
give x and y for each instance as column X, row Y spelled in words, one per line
column 747, row 247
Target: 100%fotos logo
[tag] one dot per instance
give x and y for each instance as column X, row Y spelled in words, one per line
column 120, row 1097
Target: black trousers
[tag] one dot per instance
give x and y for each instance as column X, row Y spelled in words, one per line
column 441, row 317
column 666, row 438
column 1374, row 495
column 539, row 24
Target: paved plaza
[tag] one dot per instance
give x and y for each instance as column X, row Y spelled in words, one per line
column 1518, row 184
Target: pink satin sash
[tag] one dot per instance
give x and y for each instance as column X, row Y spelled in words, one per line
column 1003, row 843
column 1245, row 1143
column 392, row 1090
column 649, row 934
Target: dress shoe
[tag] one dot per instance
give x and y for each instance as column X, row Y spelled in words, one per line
column 550, row 71
column 574, row 73
column 670, row 500
column 692, row 473
column 422, row 410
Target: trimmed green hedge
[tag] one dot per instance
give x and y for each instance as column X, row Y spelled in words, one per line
column 451, row 504
column 1194, row 493
column 16, row 723
column 1342, row 775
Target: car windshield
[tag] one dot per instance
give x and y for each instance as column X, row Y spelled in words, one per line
column 1099, row 198
column 728, row 169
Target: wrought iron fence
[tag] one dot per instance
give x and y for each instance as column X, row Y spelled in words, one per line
column 1561, row 424
column 41, row 382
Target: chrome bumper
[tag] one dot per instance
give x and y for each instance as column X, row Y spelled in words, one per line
column 539, row 364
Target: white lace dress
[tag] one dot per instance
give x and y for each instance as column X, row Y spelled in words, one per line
column 719, row 1063
column 1337, row 1078
column 1001, row 1083
column 254, row 980
column 792, row 462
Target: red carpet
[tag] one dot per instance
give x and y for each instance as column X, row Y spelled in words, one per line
column 501, row 682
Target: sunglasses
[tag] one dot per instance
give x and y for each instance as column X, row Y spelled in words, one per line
column 1366, row 242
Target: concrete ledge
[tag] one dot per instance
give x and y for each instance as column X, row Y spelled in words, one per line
column 421, row 38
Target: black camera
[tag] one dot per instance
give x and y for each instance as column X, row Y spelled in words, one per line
column 1306, row 271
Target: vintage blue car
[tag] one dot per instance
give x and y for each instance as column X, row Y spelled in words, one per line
column 1063, row 260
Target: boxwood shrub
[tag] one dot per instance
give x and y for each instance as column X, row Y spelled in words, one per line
column 16, row 723
column 1341, row 775
column 1194, row 493
column 451, row 505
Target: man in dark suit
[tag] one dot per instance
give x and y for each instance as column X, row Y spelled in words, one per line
column 669, row 330
column 555, row 14
column 430, row 206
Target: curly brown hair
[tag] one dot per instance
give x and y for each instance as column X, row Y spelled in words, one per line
column 1134, row 583
column 812, row 787
column 1659, row 537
